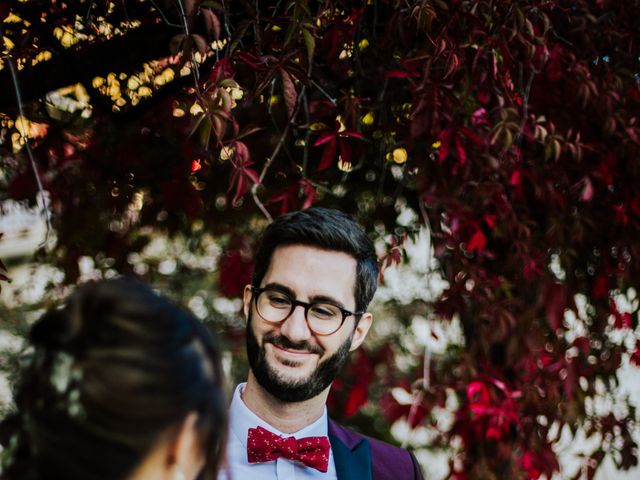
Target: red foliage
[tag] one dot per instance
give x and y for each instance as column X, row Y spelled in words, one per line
column 492, row 410
column 351, row 392
column 635, row 355
column 540, row 462
column 236, row 265
column 518, row 126
column 288, row 199
column 241, row 175
column 335, row 141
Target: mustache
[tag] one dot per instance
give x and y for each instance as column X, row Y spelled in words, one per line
column 284, row 342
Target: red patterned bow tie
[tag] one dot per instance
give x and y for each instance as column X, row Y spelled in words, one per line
column 264, row 446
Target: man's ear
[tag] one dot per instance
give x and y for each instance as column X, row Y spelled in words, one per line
column 362, row 328
column 246, row 300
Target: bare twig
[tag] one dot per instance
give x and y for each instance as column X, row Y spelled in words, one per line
column 525, row 107
column 164, row 17
column 195, row 72
column 559, row 37
column 24, row 136
column 274, row 154
column 259, row 204
column 427, row 224
column 283, row 137
column 419, row 394
column 88, row 14
column 194, row 65
column 426, row 369
column 256, row 25
column 126, row 12
column 271, row 91
column 324, row 92
column 307, row 136
column 227, row 29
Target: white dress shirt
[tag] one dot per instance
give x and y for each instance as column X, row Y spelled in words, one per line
column 241, row 419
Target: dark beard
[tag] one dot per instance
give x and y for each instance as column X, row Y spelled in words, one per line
column 293, row 391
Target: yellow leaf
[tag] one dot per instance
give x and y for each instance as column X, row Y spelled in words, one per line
column 133, row 83
column 368, row 119
column 399, row 156
column 344, row 166
column 226, row 153
column 8, row 44
column 195, row 109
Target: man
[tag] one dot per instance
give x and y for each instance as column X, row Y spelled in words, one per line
column 315, row 274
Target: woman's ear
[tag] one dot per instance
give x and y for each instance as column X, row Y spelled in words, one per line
column 186, row 453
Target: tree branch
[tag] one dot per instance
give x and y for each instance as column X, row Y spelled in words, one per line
column 46, row 213
column 121, row 54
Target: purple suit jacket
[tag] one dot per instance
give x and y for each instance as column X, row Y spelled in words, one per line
column 362, row 458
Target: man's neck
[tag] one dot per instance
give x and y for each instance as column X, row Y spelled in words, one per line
column 285, row 416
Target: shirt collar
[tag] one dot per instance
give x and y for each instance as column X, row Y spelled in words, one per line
column 241, row 419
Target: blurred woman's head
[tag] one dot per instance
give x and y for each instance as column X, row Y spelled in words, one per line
column 121, row 382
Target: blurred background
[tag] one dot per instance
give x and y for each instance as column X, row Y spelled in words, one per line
column 488, row 148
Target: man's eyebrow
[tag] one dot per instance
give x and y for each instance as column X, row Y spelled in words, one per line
column 313, row 299
column 326, row 299
column 280, row 288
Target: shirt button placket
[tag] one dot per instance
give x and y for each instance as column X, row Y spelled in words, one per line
column 285, row 469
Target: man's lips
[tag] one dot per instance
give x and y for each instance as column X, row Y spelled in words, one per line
column 290, row 351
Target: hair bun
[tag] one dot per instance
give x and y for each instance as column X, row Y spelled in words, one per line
column 54, row 330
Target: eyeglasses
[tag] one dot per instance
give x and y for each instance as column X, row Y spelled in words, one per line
column 322, row 318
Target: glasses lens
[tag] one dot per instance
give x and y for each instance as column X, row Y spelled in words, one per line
column 324, row 318
column 273, row 306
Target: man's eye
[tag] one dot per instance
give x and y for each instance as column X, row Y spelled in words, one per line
column 324, row 311
column 279, row 300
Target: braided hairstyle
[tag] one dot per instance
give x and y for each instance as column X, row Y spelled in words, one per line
column 111, row 372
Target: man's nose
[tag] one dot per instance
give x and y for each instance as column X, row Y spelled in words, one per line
column 295, row 327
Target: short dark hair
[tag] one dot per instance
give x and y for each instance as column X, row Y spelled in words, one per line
column 327, row 229
column 111, row 372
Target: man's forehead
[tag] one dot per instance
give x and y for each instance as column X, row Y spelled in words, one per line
column 316, row 271
column 312, row 250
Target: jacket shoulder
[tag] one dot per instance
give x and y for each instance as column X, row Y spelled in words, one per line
column 388, row 462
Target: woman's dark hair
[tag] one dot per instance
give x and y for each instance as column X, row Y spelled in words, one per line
column 114, row 370
column 327, row 229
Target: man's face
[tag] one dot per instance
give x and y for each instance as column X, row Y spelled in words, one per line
column 288, row 359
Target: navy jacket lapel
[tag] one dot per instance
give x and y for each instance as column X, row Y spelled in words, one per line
column 351, row 454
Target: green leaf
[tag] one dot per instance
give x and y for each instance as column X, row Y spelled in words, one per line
column 176, row 43
column 205, row 132
column 197, row 124
column 239, row 34
column 309, row 43
column 201, row 43
column 211, row 4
